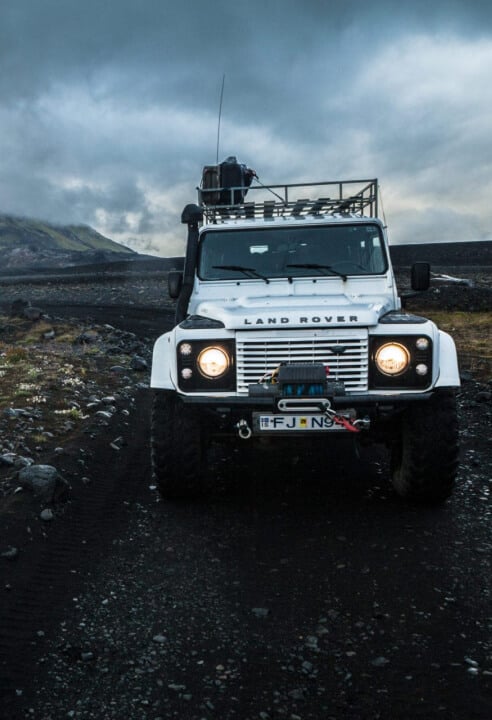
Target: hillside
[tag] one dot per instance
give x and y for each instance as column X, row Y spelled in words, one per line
column 32, row 244
column 450, row 254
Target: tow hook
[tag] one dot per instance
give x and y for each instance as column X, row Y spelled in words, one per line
column 363, row 423
column 244, row 430
column 346, row 418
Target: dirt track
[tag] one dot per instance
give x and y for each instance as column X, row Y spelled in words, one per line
column 302, row 588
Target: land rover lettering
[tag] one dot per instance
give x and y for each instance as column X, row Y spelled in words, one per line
column 303, row 320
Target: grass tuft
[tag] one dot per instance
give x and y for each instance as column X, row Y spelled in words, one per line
column 472, row 333
column 15, row 354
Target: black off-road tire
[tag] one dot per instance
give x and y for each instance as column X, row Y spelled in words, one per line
column 424, row 460
column 178, row 447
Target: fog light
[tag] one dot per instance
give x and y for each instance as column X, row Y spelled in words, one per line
column 422, row 344
column 392, row 359
column 185, row 348
column 421, row 369
column 186, row 373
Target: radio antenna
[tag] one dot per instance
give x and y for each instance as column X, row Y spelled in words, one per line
column 220, row 115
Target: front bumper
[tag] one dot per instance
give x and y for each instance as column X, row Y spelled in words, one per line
column 362, row 400
column 374, row 416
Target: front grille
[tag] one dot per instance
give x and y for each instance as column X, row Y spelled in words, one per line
column 262, row 353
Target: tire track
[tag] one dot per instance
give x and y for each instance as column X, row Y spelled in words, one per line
column 46, row 581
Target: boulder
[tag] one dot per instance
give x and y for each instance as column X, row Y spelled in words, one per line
column 43, row 481
column 138, row 363
column 32, row 313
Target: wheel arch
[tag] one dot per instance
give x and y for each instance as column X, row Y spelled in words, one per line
column 164, row 363
column 449, row 374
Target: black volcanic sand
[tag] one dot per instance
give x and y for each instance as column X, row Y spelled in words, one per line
column 301, row 588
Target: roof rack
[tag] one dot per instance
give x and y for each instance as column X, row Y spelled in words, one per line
column 345, row 197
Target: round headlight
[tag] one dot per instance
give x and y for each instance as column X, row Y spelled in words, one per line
column 213, row 362
column 392, row 359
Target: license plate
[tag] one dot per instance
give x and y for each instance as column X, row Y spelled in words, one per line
column 294, row 423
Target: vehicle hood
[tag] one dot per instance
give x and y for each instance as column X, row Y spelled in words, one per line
column 297, row 312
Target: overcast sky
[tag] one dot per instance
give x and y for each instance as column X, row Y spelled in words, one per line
column 109, row 108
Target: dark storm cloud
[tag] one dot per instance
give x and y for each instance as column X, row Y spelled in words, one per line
column 109, row 109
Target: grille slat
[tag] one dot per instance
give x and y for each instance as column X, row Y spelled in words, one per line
column 257, row 356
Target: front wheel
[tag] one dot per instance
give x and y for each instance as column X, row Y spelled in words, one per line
column 424, row 459
column 178, row 447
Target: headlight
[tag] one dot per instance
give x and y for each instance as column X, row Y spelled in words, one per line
column 400, row 361
column 206, row 365
column 392, row 359
column 213, row 362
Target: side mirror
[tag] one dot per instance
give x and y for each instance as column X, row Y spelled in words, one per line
column 420, row 276
column 174, row 283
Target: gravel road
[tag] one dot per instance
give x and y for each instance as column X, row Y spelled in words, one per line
column 301, row 588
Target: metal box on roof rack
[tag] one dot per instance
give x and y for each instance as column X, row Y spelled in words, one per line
column 226, row 183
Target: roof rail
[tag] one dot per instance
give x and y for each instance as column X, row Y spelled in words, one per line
column 344, row 197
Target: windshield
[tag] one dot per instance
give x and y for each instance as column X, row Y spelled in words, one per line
column 292, row 252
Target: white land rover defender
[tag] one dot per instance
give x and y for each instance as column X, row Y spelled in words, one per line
column 288, row 324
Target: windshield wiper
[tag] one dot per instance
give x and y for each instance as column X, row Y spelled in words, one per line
column 316, row 266
column 250, row 272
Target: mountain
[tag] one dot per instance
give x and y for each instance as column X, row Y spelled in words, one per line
column 452, row 254
column 27, row 244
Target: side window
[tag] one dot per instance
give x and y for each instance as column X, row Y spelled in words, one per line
column 376, row 261
column 371, row 254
